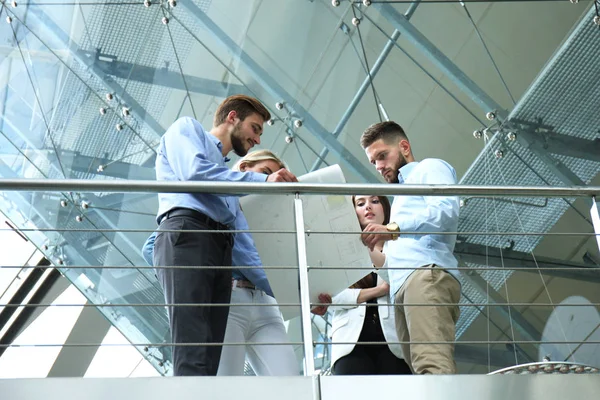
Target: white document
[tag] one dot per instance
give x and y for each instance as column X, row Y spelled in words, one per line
column 322, row 213
column 596, row 219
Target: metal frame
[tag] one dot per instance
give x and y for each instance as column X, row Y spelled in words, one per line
column 40, row 19
column 510, row 313
column 110, row 65
column 309, row 363
column 21, row 320
column 504, row 258
column 534, row 144
column 116, row 169
column 475, row 93
column 546, row 139
column 133, row 186
column 278, row 92
column 90, row 326
column 24, row 289
column 365, row 85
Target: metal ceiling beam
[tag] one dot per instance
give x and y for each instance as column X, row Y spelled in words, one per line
column 99, row 203
column 509, row 313
column 117, row 199
column 112, row 67
column 16, row 327
column 475, row 93
column 565, row 145
column 37, row 20
column 22, row 292
column 505, row 258
column 365, row 85
column 534, row 144
column 412, row 34
column 116, row 169
column 483, row 356
column 90, row 327
column 277, row 91
column 72, row 248
column 57, row 289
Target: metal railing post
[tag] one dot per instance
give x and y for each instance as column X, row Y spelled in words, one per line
column 309, row 363
column 595, row 213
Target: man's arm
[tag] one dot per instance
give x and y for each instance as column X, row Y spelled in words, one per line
column 439, row 214
column 148, row 249
column 186, row 147
column 244, row 254
column 358, row 296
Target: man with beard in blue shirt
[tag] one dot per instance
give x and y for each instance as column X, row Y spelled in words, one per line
column 427, row 273
column 187, row 152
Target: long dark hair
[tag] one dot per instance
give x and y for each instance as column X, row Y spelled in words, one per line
column 385, row 203
column 368, row 281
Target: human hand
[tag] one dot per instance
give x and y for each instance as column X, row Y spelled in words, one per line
column 384, row 288
column 321, row 310
column 370, row 239
column 283, row 175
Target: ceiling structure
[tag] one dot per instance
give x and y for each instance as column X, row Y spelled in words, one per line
column 502, row 90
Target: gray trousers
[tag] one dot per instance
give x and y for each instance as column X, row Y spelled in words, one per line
column 191, row 324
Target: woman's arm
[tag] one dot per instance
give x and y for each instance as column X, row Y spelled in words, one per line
column 377, row 258
column 372, row 293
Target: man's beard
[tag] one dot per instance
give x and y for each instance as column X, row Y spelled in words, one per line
column 401, row 162
column 237, row 143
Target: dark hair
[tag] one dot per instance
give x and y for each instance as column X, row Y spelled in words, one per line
column 385, row 203
column 389, row 131
column 243, row 105
column 367, row 281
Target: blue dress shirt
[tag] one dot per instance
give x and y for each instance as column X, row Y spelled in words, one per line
column 255, row 275
column 148, row 249
column 187, row 152
column 422, row 214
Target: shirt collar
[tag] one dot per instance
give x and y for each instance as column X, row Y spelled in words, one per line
column 219, row 145
column 405, row 171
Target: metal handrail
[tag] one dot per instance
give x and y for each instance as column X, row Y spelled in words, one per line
column 139, row 186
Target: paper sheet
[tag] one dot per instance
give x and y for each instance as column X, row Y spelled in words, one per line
column 344, row 252
column 596, row 219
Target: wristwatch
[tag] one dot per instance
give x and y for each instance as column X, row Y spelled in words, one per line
column 394, row 229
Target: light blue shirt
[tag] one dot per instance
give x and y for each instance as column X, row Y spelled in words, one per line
column 255, row 275
column 422, row 214
column 188, row 153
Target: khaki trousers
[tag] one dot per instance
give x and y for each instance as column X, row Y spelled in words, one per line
column 431, row 323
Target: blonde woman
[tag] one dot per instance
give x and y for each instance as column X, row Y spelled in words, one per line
column 252, row 324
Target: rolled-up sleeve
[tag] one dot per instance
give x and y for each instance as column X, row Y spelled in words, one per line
column 346, row 296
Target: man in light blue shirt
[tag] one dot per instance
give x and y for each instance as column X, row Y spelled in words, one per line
column 189, row 153
column 422, row 257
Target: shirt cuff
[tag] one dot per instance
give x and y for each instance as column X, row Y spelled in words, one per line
column 407, row 225
column 257, row 177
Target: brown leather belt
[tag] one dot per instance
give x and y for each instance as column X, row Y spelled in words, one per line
column 244, row 284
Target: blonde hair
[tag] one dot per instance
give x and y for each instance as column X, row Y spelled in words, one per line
column 257, row 156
